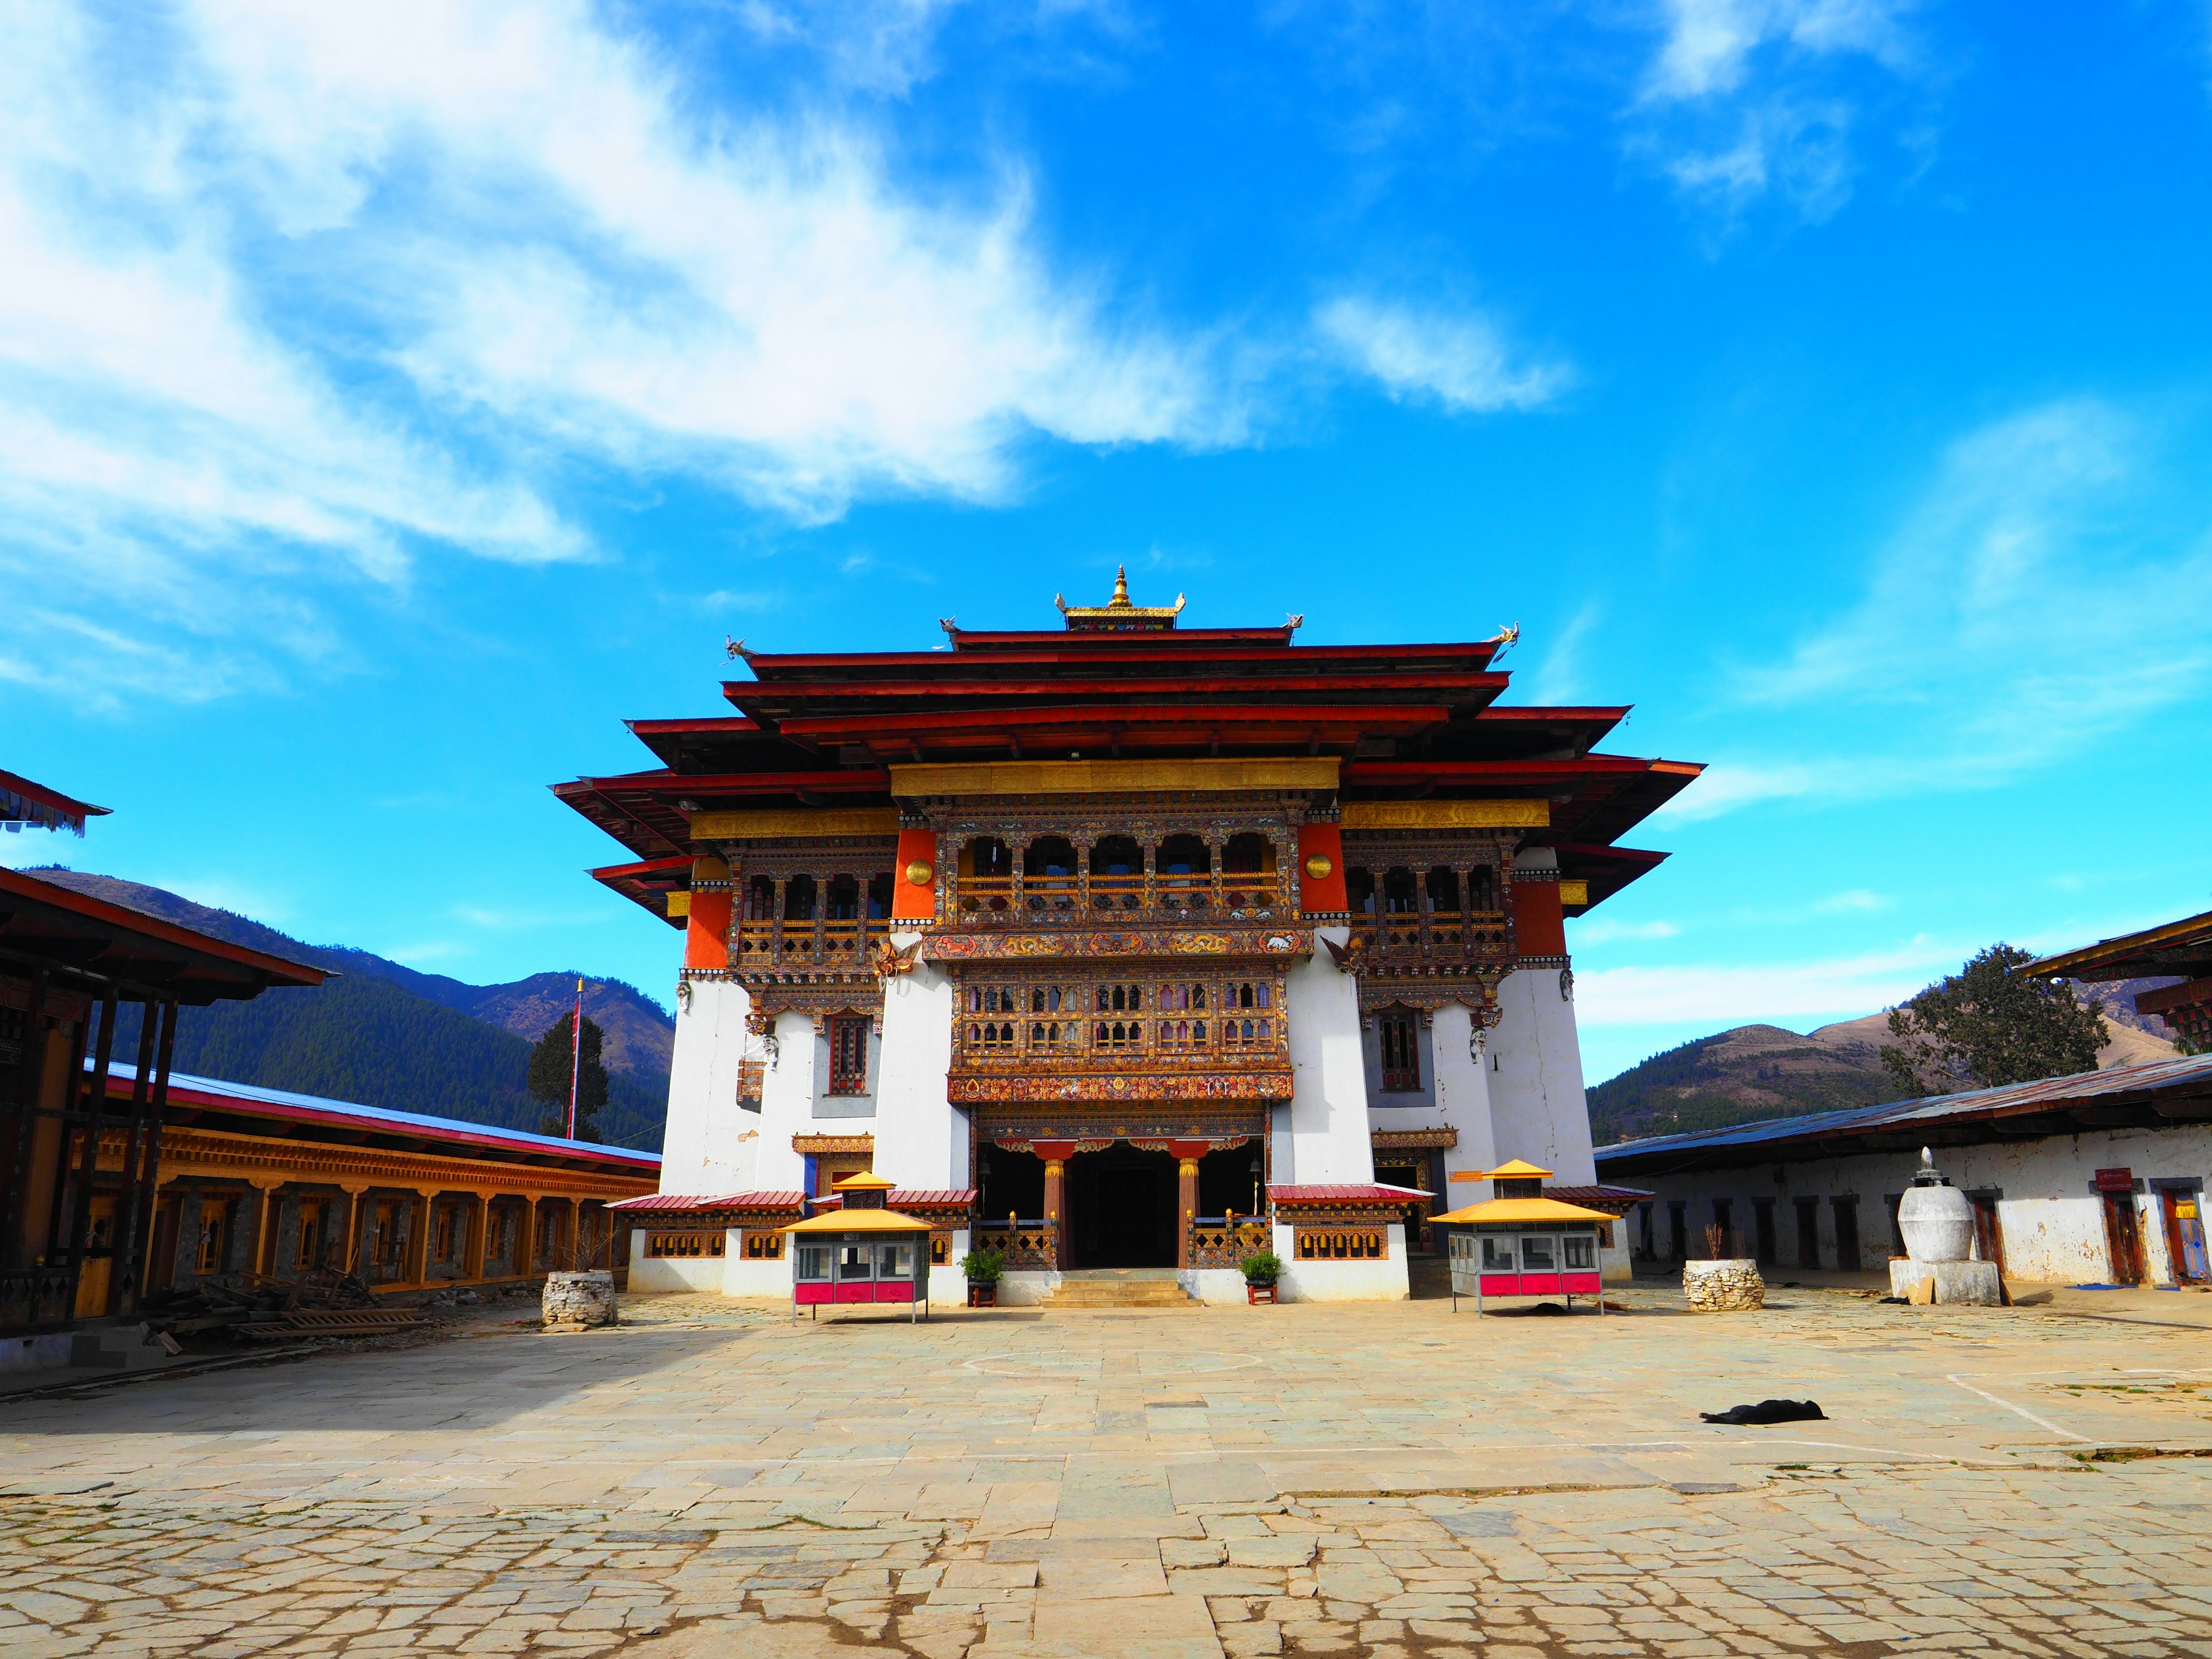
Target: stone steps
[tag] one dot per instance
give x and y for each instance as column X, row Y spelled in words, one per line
column 1122, row 1287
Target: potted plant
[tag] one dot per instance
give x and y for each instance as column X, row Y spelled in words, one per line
column 984, row 1269
column 1261, row 1269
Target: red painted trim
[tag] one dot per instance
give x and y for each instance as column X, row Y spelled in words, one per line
column 1194, row 717
column 1538, row 925
column 909, row 901
column 67, row 805
column 681, row 861
column 1329, row 893
column 707, row 933
column 764, row 691
column 838, row 782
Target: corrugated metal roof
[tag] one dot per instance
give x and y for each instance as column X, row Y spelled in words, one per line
column 1345, row 1193
column 934, row 1197
column 282, row 1102
column 792, row 1200
column 2191, row 1073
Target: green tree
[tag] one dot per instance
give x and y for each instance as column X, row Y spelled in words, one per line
column 549, row 1064
column 1988, row 1025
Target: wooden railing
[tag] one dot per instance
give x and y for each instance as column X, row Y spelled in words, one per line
column 1004, row 1036
column 1449, row 933
column 803, row 940
column 1225, row 1241
column 1022, row 1244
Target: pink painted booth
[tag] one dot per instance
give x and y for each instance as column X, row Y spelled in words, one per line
column 1521, row 1244
column 862, row 1255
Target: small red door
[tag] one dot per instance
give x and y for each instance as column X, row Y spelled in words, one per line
column 2123, row 1238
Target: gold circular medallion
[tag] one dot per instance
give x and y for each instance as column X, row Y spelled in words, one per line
column 1319, row 868
column 920, row 871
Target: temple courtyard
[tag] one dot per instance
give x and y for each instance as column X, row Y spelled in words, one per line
column 714, row 1479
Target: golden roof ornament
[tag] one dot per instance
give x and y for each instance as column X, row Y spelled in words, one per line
column 1119, row 613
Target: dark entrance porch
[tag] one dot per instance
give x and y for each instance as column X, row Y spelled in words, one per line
column 1122, row 1209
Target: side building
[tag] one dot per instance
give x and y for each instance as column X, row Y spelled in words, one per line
column 2097, row 1178
column 1121, row 945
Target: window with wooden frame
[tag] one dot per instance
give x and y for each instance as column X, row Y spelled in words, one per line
column 763, row 1246
column 311, row 1233
column 441, row 1236
column 686, row 1246
column 1342, row 1244
column 848, row 1054
column 1399, row 1031
column 211, row 1238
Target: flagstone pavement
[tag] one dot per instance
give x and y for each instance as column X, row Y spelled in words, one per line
column 1378, row 1479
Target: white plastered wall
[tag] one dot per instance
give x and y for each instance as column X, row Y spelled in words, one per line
column 653, row 1275
column 1537, row 1108
column 2051, row 1220
column 1462, row 1091
column 921, row 1140
column 788, row 1088
column 1342, row 1281
column 711, row 1146
column 1322, row 1135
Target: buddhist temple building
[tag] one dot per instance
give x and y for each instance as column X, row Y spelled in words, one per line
column 1120, row 945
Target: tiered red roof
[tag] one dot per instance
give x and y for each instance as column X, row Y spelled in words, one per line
column 1408, row 721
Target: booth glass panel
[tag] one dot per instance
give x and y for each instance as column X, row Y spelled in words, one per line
column 1580, row 1255
column 894, row 1261
column 1497, row 1256
column 813, row 1262
column 853, row 1263
column 1538, row 1255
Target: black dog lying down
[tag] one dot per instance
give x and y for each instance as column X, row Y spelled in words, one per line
column 1769, row 1410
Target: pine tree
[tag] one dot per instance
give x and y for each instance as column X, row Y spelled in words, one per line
column 1988, row 1025
column 548, row 1078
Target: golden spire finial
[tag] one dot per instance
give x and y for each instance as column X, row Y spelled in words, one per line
column 1121, row 600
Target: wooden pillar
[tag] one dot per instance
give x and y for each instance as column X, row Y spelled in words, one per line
column 1055, row 1206
column 1186, row 1207
column 573, row 1216
column 479, row 1224
column 260, row 1234
column 348, row 1258
column 126, row 1278
column 414, row 1260
column 150, row 1173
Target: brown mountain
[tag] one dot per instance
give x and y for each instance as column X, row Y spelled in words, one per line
column 1757, row 1072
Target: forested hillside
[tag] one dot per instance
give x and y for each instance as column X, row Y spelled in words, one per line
column 384, row 1035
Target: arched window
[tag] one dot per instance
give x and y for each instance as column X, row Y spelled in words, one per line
column 1184, row 868
column 842, row 899
column 1444, row 890
column 987, row 876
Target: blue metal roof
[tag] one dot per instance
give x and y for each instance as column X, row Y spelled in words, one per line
column 2189, row 1073
column 445, row 1128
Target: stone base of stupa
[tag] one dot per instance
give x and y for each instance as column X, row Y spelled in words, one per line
column 1973, row 1283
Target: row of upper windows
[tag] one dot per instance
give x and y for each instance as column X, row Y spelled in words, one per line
column 1401, row 892
column 988, row 858
column 841, row 898
column 1117, row 998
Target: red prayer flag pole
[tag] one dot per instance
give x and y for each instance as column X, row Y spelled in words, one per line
column 575, row 1057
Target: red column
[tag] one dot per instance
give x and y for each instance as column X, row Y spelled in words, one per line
column 1056, row 1154
column 1186, row 1207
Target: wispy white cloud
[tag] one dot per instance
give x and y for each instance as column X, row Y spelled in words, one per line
column 1741, row 100
column 1559, row 678
column 1459, row 359
column 1604, row 931
column 1859, row 902
column 1738, row 994
column 2052, row 590
column 298, row 296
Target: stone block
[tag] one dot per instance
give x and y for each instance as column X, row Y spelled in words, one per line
column 576, row 1301
column 1970, row 1284
column 1731, row 1285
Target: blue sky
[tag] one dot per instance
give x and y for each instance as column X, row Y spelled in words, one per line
column 393, row 399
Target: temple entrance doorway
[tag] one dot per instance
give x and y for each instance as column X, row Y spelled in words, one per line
column 1122, row 1209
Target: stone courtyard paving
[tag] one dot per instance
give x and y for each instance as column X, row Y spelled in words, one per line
column 1382, row 1480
